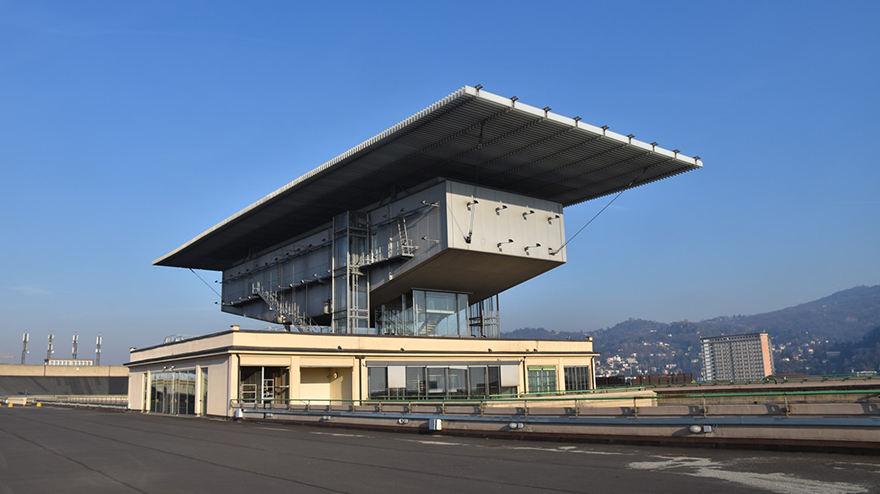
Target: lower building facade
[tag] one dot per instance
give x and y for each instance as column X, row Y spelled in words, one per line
column 212, row 375
column 740, row 357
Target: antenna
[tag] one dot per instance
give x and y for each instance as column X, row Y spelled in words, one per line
column 24, row 342
column 73, row 352
column 98, row 350
column 49, row 350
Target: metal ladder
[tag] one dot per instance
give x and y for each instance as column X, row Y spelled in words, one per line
column 406, row 245
column 248, row 393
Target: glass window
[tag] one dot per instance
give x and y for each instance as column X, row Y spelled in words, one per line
column 542, row 379
column 577, row 378
column 416, row 387
column 458, row 382
column 419, row 312
column 154, row 393
column 441, row 302
column 462, row 308
column 264, row 384
column 173, row 392
column 359, row 292
column 439, row 383
column 358, row 249
column 341, row 253
column 340, row 300
column 439, row 311
column 436, row 382
column 494, row 380
column 477, row 379
column 204, row 408
column 425, row 313
column 377, row 381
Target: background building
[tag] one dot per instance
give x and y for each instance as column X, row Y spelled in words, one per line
column 740, row 357
column 400, row 247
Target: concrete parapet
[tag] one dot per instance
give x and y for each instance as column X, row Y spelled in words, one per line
column 838, row 425
column 63, row 370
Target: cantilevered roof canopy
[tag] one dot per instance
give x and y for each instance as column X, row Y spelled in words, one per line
column 470, row 136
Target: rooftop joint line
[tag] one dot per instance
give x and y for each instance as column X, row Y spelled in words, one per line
column 545, row 158
column 576, row 163
column 612, row 165
column 632, row 184
column 480, row 145
column 521, row 149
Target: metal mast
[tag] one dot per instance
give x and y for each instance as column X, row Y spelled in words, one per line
column 49, row 350
column 98, row 350
column 73, row 352
column 24, row 342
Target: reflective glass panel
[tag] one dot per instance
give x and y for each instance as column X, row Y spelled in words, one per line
column 436, row 382
column 377, row 381
column 542, row 379
column 477, row 376
column 416, row 386
column 204, row 407
column 577, row 378
column 458, row 383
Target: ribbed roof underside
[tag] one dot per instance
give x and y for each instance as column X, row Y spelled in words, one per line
column 471, row 136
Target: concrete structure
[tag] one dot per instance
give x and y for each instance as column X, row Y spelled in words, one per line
column 211, row 374
column 740, row 357
column 43, row 380
column 403, row 244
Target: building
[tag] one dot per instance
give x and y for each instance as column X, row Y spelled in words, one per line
column 740, row 357
column 384, row 264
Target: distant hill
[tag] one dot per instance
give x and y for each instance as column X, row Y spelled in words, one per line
column 845, row 316
column 841, row 357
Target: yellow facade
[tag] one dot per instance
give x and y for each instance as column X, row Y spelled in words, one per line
column 210, row 374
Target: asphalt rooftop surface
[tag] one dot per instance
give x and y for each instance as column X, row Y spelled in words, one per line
column 76, row 450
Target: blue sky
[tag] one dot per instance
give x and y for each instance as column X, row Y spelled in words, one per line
column 127, row 129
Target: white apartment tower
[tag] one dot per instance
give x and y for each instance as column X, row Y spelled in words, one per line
column 739, row 357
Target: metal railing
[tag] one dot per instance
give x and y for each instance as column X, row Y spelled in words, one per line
column 762, row 381
column 779, row 402
column 116, row 401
